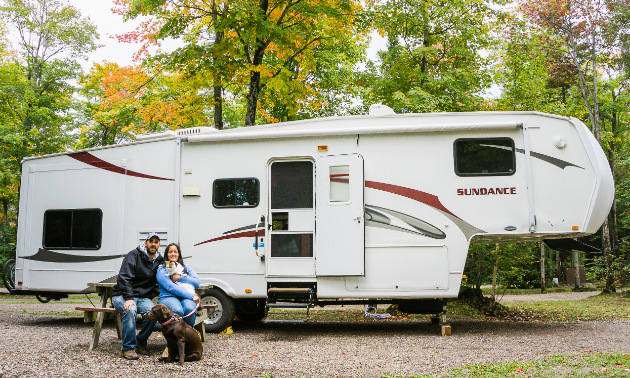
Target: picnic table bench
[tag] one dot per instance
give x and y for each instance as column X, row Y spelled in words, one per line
column 104, row 290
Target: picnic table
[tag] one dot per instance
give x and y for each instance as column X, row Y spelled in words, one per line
column 104, row 290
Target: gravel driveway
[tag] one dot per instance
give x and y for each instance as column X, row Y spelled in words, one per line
column 40, row 345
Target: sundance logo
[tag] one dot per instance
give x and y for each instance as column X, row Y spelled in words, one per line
column 485, row 191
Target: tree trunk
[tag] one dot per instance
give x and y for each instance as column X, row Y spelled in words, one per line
column 614, row 233
column 543, row 287
column 576, row 269
column 218, row 106
column 252, row 98
column 217, row 95
column 609, row 286
column 5, row 222
column 5, row 213
column 558, row 267
column 494, row 278
column 254, row 75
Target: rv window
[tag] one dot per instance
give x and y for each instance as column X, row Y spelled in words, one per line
column 73, row 229
column 484, row 157
column 339, row 190
column 292, row 185
column 235, row 192
column 291, row 245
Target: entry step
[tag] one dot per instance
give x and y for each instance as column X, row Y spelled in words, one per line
column 288, row 305
column 285, row 321
column 289, row 290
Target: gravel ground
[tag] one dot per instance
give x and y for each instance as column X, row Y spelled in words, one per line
column 40, row 345
column 549, row 297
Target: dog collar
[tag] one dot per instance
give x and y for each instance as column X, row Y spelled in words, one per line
column 170, row 320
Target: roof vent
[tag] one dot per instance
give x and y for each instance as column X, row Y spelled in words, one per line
column 196, row 131
column 161, row 134
column 381, row 110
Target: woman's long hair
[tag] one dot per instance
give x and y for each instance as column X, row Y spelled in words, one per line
column 180, row 260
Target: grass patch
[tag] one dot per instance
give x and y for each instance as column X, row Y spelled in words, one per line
column 580, row 365
column 598, row 307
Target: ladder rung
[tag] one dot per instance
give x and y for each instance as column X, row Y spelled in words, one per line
column 288, row 305
column 288, row 290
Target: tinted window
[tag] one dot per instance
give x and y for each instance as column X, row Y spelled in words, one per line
column 235, row 192
column 292, row 245
column 292, row 185
column 484, row 156
column 73, row 229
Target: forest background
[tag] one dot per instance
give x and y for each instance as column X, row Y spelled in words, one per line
column 245, row 62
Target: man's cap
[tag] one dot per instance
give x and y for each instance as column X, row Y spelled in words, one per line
column 152, row 234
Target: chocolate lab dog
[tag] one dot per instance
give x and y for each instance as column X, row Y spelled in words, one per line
column 182, row 340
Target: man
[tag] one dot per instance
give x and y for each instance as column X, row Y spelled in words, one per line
column 133, row 293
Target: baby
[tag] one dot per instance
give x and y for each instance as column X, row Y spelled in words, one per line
column 172, row 268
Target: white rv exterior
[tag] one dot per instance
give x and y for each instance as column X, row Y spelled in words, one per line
column 382, row 212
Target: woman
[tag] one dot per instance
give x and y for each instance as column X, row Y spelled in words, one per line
column 179, row 300
column 172, row 295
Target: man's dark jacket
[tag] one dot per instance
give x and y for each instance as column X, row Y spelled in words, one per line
column 136, row 278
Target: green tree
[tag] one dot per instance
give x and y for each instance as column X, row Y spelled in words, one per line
column 434, row 60
column 124, row 101
column 250, row 48
column 36, row 102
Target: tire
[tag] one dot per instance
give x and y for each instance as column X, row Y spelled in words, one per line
column 250, row 310
column 222, row 316
column 43, row 299
column 8, row 274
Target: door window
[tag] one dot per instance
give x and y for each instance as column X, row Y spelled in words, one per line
column 292, row 185
column 339, row 190
column 292, row 245
column 292, row 204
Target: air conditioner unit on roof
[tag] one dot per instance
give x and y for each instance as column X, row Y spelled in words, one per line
column 195, row 131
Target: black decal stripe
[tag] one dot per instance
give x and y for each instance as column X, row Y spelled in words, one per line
column 546, row 158
column 46, row 255
column 549, row 159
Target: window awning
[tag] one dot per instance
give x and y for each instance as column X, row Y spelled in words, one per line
column 570, row 245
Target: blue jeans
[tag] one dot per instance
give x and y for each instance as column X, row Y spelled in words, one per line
column 129, row 339
column 181, row 307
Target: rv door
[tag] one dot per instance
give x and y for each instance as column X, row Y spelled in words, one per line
column 340, row 226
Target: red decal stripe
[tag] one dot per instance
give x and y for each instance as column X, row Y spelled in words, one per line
column 245, row 234
column 344, row 181
column 92, row 160
column 426, row 198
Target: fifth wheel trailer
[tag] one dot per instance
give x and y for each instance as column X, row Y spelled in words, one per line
column 313, row 212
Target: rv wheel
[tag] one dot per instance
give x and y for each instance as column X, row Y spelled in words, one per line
column 221, row 316
column 8, row 274
column 43, row 299
column 250, row 310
